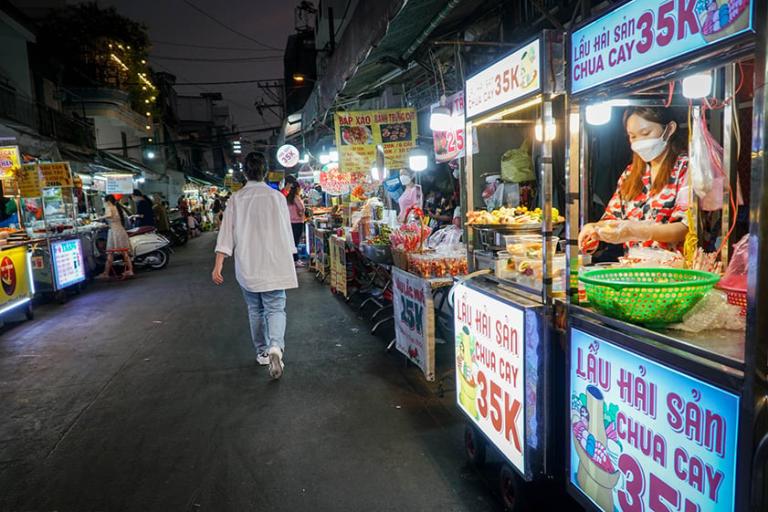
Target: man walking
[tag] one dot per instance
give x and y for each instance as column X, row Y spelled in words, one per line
column 256, row 228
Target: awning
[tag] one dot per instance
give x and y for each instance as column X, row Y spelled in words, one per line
column 380, row 39
column 196, row 181
column 291, row 128
column 126, row 165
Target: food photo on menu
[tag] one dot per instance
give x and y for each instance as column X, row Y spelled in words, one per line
column 395, row 132
column 356, row 135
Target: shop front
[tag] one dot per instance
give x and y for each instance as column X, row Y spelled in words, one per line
column 665, row 374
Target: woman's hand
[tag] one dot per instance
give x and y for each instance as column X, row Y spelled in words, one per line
column 588, row 238
column 622, row 231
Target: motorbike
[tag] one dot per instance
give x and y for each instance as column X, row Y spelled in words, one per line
column 150, row 248
column 179, row 234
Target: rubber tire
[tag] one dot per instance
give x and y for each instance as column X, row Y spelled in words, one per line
column 164, row 261
column 474, row 446
column 511, row 489
column 182, row 237
column 29, row 313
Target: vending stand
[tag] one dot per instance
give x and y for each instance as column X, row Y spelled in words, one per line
column 49, row 211
column 661, row 419
column 501, row 319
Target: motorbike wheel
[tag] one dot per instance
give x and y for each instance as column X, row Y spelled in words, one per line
column 157, row 260
column 182, row 237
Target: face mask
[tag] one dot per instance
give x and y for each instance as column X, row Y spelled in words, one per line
column 650, row 149
column 405, row 180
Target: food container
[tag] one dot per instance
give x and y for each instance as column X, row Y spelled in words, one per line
column 436, row 265
column 500, row 263
column 528, row 245
column 381, row 254
column 530, row 272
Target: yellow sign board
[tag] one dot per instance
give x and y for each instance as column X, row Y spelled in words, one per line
column 34, row 177
column 358, row 133
column 14, row 274
column 10, row 158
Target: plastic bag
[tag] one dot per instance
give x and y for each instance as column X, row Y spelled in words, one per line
column 493, row 194
column 706, row 165
column 735, row 277
column 448, row 236
column 712, row 312
column 517, row 165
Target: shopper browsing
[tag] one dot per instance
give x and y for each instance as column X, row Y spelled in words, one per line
column 256, row 229
column 143, row 209
column 296, row 210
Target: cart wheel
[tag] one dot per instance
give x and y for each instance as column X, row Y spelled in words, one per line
column 61, row 297
column 474, row 446
column 29, row 312
column 512, row 491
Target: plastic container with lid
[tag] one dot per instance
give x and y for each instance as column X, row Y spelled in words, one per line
column 529, row 246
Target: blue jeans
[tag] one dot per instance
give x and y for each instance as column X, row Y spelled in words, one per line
column 266, row 313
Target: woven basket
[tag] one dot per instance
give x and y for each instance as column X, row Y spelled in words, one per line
column 400, row 259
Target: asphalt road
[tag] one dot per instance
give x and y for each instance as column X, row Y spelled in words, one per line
column 145, row 395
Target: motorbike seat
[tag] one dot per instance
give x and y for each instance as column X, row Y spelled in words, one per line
column 141, row 230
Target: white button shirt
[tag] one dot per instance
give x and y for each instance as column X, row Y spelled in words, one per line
column 257, row 229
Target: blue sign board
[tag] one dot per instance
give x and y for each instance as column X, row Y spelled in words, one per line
column 67, row 258
column 644, row 436
column 642, row 34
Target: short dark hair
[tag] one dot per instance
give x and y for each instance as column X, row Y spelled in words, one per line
column 255, row 166
column 137, row 193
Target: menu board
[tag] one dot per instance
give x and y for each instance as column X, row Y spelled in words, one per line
column 644, row 436
column 34, row 177
column 119, row 184
column 642, row 34
column 512, row 77
column 414, row 317
column 10, row 158
column 490, row 380
column 67, row 257
column 358, row 134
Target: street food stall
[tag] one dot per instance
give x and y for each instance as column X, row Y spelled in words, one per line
column 502, row 319
column 665, row 377
column 49, row 213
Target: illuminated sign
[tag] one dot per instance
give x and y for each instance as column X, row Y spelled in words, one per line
column 288, row 155
column 642, row 34
column 68, row 267
column 644, row 436
column 490, row 380
column 511, row 78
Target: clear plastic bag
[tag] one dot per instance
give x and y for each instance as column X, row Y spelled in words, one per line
column 706, row 165
column 448, row 236
column 712, row 312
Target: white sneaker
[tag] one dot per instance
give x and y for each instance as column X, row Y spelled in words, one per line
column 275, row 362
column 263, row 359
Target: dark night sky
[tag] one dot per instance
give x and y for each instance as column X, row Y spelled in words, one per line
column 268, row 21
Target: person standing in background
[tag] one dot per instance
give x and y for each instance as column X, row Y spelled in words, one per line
column 296, row 210
column 161, row 214
column 256, row 230
column 117, row 238
column 143, row 209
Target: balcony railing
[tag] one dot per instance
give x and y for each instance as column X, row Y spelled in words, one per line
column 45, row 120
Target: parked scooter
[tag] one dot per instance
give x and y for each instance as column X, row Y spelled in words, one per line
column 179, row 233
column 150, row 248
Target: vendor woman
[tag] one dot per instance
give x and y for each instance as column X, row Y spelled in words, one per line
column 651, row 200
column 411, row 196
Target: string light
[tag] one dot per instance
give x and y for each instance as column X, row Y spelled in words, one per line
column 119, row 62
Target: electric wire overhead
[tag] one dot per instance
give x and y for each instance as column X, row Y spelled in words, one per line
column 224, row 25
column 206, row 47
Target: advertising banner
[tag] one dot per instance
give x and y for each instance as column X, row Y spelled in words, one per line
column 338, row 248
column 10, row 158
column 68, row 267
column 358, row 134
column 644, row 436
column 513, row 77
column 414, row 320
column 14, row 274
column 647, row 33
column 490, row 380
column 34, row 177
column 449, row 144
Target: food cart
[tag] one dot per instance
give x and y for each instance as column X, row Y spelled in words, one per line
column 49, row 215
column 502, row 319
column 662, row 419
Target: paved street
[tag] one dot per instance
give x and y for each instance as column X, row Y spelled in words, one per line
column 144, row 395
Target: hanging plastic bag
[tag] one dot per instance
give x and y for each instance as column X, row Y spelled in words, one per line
column 735, row 277
column 706, row 165
column 517, row 165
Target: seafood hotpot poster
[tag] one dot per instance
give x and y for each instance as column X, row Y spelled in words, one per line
column 647, row 437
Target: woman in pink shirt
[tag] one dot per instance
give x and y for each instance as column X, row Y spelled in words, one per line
column 296, row 210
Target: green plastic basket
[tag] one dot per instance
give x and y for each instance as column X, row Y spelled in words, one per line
column 651, row 296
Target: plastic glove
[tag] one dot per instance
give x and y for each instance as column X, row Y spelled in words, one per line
column 588, row 239
column 622, row 231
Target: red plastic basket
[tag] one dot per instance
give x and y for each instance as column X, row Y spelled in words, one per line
column 736, row 297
